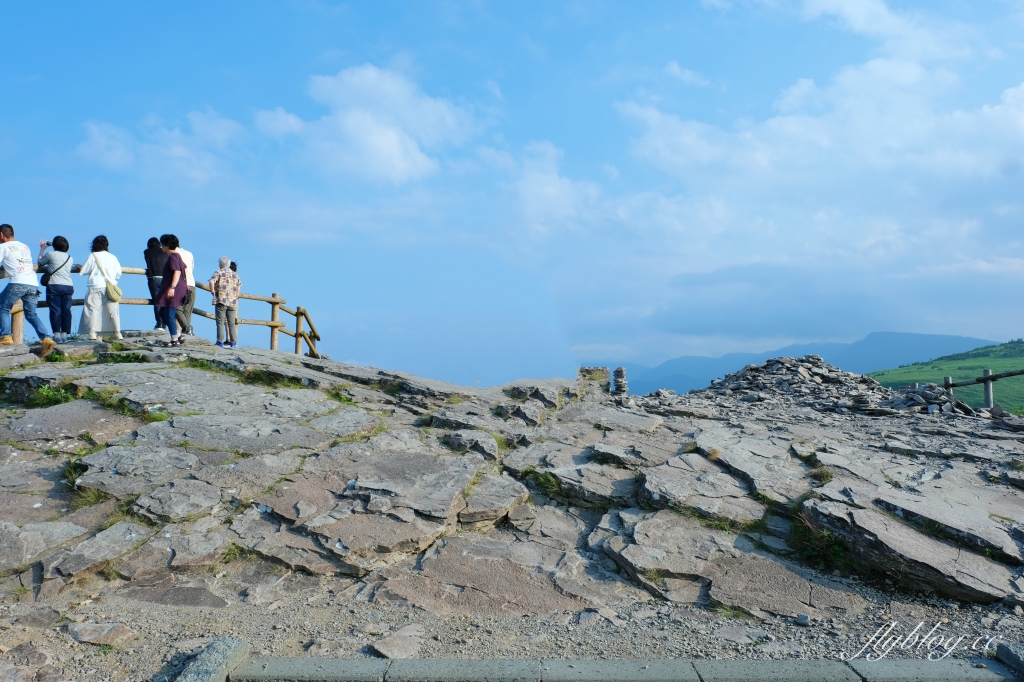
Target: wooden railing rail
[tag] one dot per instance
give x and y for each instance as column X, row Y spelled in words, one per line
column 274, row 323
column 987, row 378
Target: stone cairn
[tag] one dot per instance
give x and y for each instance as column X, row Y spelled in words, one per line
column 811, row 382
column 620, row 386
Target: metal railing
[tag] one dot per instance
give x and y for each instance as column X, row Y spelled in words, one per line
column 277, row 306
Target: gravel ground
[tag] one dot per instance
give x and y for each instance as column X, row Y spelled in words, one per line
column 321, row 617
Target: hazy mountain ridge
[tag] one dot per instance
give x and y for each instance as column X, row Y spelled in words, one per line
column 875, row 352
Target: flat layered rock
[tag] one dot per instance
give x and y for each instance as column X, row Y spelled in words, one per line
column 474, row 415
column 111, row 543
column 33, row 476
column 552, row 526
column 478, row 441
column 345, row 421
column 263, row 435
column 362, row 542
column 127, row 472
column 22, row 384
column 597, row 485
column 68, row 420
column 692, row 481
column 429, row 484
column 478, row 575
column 758, row 585
column 297, row 551
column 178, row 499
column 250, row 476
column 884, row 542
column 22, row 546
column 489, row 500
column 100, row 633
column 766, row 465
column 607, row 417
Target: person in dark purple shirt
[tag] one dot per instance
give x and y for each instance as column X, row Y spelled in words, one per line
column 173, row 289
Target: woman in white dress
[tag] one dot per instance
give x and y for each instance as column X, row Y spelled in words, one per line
column 100, row 312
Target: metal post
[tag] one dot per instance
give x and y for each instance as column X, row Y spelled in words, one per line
column 274, row 309
column 18, row 322
column 947, row 383
column 298, row 330
column 989, row 400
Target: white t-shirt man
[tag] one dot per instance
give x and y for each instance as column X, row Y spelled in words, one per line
column 190, row 266
column 17, row 261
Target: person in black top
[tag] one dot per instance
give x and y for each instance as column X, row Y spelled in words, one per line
column 155, row 260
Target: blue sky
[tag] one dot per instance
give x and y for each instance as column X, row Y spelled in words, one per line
column 481, row 191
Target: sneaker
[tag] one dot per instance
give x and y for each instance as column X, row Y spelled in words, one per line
column 7, row 340
column 234, row 345
column 158, row 326
column 47, row 345
column 220, row 344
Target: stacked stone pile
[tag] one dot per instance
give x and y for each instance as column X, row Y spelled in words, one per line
column 620, row 385
column 811, row 382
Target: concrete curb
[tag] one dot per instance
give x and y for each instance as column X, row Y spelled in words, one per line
column 216, row 661
column 225, row 659
column 1012, row 655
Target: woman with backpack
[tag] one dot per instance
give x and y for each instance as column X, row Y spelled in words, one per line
column 56, row 278
column 103, row 270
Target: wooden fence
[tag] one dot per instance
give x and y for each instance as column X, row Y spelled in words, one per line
column 987, row 378
column 277, row 306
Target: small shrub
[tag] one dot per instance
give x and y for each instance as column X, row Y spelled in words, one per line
column 820, row 548
column 56, row 356
column 47, row 396
column 548, row 484
column 149, row 416
column 117, row 358
column 20, row 590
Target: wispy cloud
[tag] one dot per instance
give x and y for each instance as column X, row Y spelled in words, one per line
column 685, row 75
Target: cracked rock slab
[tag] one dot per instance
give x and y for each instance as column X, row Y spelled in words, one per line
column 68, row 420
column 365, row 542
column 345, row 421
column 887, row 544
column 178, row 499
column 263, row 435
column 250, row 476
column 100, row 633
column 111, row 543
column 764, row 464
column 490, row 499
column 21, row 546
column 692, row 481
column 478, row 441
column 127, row 472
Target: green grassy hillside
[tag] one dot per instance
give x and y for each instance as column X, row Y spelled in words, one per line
column 1002, row 358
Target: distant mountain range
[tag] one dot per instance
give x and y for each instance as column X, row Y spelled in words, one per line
column 876, row 351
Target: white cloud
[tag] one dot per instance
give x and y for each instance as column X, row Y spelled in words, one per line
column 548, row 199
column 197, row 154
column 278, row 122
column 381, row 126
column 685, row 75
column 107, row 145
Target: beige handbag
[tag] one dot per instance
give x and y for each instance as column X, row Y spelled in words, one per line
column 113, row 291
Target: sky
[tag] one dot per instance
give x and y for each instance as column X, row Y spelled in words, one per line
column 484, row 191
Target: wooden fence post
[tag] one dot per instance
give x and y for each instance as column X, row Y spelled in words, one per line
column 989, row 399
column 274, row 311
column 18, row 322
column 947, row 383
column 298, row 329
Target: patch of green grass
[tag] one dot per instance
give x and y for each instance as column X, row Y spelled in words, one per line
column 72, row 470
column 47, row 396
column 87, row 497
column 237, row 553
column 544, row 480
column 267, row 378
column 455, row 399
column 338, row 393
column 391, row 387
column 120, row 358
column 56, row 356
column 730, row 611
column 108, row 571
column 125, row 512
column 820, row 475
column 1017, row 464
column 654, row 575
column 713, row 522
column 820, row 548
column 690, row 447
column 20, row 590
column 359, row 437
column 106, row 649
column 150, row 416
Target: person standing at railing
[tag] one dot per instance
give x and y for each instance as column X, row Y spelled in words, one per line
column 172, row 288
column 225, row 287
column 155, row 260
column 184, row 314
column 17, row 261
column 57, row 266
column 101, row 308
